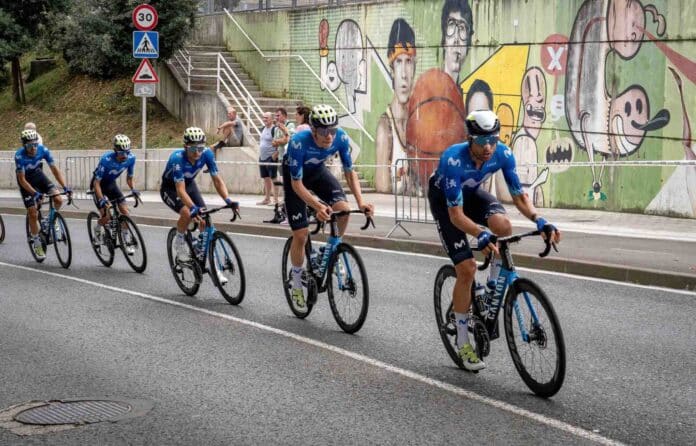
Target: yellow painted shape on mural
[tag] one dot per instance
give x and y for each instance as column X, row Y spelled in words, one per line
column 503, row 72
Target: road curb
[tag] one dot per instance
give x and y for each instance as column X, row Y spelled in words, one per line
column 598, row 270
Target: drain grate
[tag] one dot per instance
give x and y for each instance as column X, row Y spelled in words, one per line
column 74, row 412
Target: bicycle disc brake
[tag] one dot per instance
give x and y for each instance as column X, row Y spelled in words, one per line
column 312, row 289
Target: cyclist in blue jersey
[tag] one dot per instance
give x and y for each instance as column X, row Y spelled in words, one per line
column 111, row 165
column 179, row 190
column 33, row 183
column 459, row 206
column 304, row 171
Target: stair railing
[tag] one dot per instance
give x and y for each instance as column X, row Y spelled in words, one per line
column 309, row 68
column 182, row 61
column 226, row 78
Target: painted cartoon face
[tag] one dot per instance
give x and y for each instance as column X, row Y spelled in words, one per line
column 403, row 70
column 348, row 53
column 455, row 44
column 629, row 120
column 332, row 80
column 507, row 121
column 559, row 153
column 625, row 24
column 534, row 98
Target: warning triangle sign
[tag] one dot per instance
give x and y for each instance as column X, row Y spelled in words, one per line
column 145, row 73
column 146, row 46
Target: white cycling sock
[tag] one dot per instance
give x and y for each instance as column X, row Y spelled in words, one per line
column 297, row 276
column 462, row 320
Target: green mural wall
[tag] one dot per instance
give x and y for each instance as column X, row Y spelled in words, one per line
column 572, row 81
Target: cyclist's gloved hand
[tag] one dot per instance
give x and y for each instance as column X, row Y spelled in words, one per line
column 67, row 190
column 135, row 192
column 103, row 201
column 194, row 210
column 232, row 204
column 547, row 228
column 37, row 197
column 484, row 238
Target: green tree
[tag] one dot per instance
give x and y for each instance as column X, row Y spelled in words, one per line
column 96, row 37
column 19, row 25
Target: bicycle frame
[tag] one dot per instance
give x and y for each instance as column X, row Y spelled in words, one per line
column 210, row 231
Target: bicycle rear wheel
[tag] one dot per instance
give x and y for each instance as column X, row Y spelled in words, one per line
column 541, row 358
column 444, row 314
column 138, row 259
column 42, row 237
column 188, row 274
column 2, row 230
column 308, row 282
column 61, row 240
column 103, row 250
column 226, row 268
column 350, row 298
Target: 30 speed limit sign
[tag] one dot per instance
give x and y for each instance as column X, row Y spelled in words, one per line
column 145, row 17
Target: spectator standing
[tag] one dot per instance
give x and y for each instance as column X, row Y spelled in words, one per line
column 268, row 153
column 32, row 126
column 302, row 118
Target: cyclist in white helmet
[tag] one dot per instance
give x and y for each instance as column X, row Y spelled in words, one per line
column 304, row 171
column 459, row 206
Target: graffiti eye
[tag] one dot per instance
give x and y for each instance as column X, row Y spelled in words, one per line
column 627, row 109
column 639, row 106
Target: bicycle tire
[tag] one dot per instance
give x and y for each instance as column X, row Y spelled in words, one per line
column 139, row 243
column 553, row 385
column 63, row 258
column 232, row 263
column 2, row 230
column 446, row 323
column 342, row 251
column 287, row 282
column 108, row 259
column 178, row 267
column 42, row 237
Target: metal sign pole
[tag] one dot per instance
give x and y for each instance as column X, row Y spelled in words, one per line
column 144, row 134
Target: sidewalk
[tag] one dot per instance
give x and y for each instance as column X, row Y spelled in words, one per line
column 626, row 247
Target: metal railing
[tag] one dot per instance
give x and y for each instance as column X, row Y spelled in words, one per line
column 269, row 57
column 215, row 6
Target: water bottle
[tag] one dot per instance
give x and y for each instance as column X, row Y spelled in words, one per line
column 314, row 259
column 202, row 239
column 44, row 225
column 480, row 296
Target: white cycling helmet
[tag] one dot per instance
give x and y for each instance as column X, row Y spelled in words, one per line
column 194, row 135
column 122, row 143
column 29, row 135
column 323, row 116
column 482, row 123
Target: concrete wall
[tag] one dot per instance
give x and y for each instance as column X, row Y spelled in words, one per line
column 572, row 80
column 209, row 30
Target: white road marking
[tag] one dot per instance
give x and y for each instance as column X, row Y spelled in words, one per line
column 507, row 407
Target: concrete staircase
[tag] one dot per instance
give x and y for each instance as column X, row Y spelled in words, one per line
column 204, row 62
column 364, row 185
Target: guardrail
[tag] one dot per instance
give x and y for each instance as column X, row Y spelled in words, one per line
column 216, row 6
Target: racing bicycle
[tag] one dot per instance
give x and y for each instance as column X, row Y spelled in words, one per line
column 53, row 230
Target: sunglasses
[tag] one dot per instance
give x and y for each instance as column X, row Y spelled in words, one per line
column 488, row 139
column 122, row 153
column 326, row 131
column 31, row 145
column 194, row 149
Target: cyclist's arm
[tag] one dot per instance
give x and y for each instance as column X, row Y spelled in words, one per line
column 354, row 186
column 462, row 222
column 305, row 195
column 129, row 181
column 97, row 189
column 524, row 204
column 183, row 195
column 519, row 197
column 220, row 187
column 22, row 180
column 58, row 174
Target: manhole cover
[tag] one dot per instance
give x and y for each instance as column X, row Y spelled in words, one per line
column 74, row 412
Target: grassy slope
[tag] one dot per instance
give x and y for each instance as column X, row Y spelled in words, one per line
column 78, row 112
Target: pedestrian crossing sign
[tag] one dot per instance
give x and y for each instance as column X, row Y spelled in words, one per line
column 145, row 44
column 145, row 74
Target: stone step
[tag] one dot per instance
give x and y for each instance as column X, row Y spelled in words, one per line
column 206, row 48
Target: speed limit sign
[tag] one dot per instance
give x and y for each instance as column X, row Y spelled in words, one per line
column 145, row 17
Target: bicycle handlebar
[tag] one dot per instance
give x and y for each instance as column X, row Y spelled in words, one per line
column 334, row 215
column 48, row 197
column 135, row 195
column 235, row 209
column 516, row 238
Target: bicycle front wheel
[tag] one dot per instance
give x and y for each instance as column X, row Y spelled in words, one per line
column 42, row 237
column 187, row 274
column 2, row 230
column 226, row 268
column 308, row 282
column 444, row 312
column 133, row 247
column 348, row 291
column 103, row 248
column 61, row 240
column 534, row 338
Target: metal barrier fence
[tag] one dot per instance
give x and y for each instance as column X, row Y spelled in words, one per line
column 79, row 171
column 216, row 6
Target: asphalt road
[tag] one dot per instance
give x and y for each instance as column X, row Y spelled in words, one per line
column 251, row 374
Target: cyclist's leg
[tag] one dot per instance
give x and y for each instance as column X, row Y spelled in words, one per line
column 484, row 209
column 172, row 200
column 32, row 212
column 329, row 190
column 296, row 209
column 195, row 194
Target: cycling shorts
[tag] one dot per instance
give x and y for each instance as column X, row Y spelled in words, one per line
column 171, row 199
column 41, row 183
column 478, row 205
column 321, row 182
column 109, row 189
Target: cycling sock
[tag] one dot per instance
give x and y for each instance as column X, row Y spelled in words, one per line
column 297, row 276
column 494, row 270
column 462, row 328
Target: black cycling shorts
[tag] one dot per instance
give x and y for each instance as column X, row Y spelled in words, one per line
column 38, row 181
column 110, row 190
column 321, row 182
column 479, row 206
column 266, row 170
column 171, row 199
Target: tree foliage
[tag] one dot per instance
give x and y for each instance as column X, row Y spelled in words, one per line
column 96, row 36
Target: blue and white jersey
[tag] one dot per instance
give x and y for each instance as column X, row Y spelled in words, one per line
column 457, row 174
column 110, row 168
column 30, row 166
column 305, row 156
column 179, row 168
